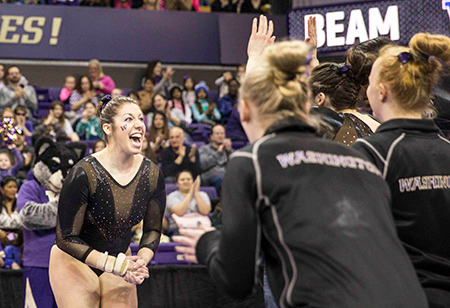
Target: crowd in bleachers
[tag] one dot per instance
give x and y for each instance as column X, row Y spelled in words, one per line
column 187, row 131
column 228, row 6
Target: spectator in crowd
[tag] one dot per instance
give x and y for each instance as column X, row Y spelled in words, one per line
column 158, row 136
column 150, row 5
column 214, row 157
column 175, row 117
column 9, row 166
column 335, row 91
column 255, row 7
column 2, row 75
column 69, row 86
column 222, row 83
column 176, row 101
column 178, row 156
column 187, row 199
column 27, row 153
column 57, row 109
column 240, row 72
column 15, row 94
column 413, row 155
column 146, row 95
column 230, row 100
column 162, row 80
column 7, row 113
column 102, row 83
column 116, row 93
column 26, row 125
column 189, row 92
column 178, row 5
column 134, row 95
column 98, row 146
column 83, row 93
column 204, row 110
column 10, row 224
column 234, row 129
column 229, row 6
column 51, row 127
column 88, row 128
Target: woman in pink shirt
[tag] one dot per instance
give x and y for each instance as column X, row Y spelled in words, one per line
column 102, row 84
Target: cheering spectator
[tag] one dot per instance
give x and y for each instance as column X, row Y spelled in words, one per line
column 178, row 156
column 162, row 80
column 204, row 110
column 177, row 102
column 240, row 72
column 27, row 153
column 69, row 87
column 2, row 74
column 7, row 165
column 222, row 83
column 187, row 199
column 50, row 127
column 158, row 136
column 84, row 92
column 10, row 224
column 214, row 157
column 189, row 92
column 146, row 95
column 175, row 117
column 26, row 125
column 102, row 83
column 88, row 128
column 58, row 116
column 230, row 100
column 15, row 94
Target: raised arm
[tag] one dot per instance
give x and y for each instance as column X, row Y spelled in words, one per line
column 260, row 38
column 19, row 161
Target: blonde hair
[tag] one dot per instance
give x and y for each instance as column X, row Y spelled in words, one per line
column 99, row 66
column 278, row 86
column 412, row 83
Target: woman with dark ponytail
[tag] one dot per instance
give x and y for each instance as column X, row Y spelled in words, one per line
column 335, row 90
column 413, row 156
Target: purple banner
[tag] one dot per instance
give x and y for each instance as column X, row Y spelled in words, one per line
column 75, row 33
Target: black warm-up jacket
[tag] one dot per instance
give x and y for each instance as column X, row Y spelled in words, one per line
column 415, row 162
column 320, row 215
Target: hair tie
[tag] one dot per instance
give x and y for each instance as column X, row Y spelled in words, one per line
column 186, row 77
column 105, row 100
column 343, row 69
column 404, row 57
column 309, row 59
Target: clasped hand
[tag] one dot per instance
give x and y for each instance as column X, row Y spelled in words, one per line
column 137, row 270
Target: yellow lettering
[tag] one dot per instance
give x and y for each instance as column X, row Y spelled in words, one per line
column 36, row 31
column 6, row 28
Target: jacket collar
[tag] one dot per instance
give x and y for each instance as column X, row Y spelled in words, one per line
column 288, row 125
column 427, row 126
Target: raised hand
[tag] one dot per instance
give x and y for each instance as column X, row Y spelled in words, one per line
column 197, row 184
column 312, row 40
column 192, row 152
column 261, row 37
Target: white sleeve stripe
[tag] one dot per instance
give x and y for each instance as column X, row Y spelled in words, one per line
column 390, row 151
column 372, row 148
column 241, row 154
column 443, row 139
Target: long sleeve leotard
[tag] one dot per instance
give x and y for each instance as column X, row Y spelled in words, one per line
column 96, row 212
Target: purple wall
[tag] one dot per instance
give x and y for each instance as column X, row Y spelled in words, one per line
column 125, row 35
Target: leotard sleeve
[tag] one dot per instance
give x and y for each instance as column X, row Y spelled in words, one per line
column 154, row 215
column 71, row 211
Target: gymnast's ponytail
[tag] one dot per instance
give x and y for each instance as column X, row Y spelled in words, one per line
column 278, row 86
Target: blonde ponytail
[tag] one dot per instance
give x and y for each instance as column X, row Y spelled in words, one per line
column 413, row 79
column 278, row 86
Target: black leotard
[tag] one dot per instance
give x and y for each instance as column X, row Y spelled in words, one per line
column 96, row 212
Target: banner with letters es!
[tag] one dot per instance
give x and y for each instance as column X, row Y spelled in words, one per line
column 340, row 26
